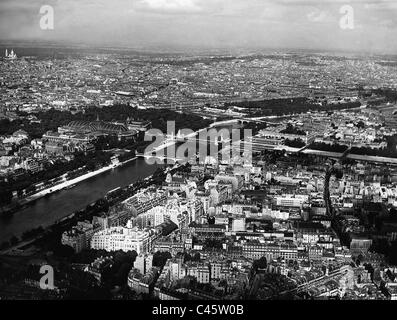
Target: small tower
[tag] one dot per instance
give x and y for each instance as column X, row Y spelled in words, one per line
column 6, row 53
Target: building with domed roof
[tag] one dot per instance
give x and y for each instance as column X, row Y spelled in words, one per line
column 98, row 128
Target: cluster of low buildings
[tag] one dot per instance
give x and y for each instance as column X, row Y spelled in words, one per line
column 20, row 154
column 234, row 216
column 227, row 228
column 365, row 128
column 72, row 82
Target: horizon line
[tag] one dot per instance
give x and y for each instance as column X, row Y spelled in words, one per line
column 178, row 49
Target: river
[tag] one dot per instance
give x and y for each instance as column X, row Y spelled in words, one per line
column 46, row 211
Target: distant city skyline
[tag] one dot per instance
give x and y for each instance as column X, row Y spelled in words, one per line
column 207, row 24
column 224, row 150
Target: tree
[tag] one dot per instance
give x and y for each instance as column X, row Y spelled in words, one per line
column 360, row 124
column 297, row 143
column 290, row 129
column 187, row 257
column 260, row 264
column 196, row 257
column 160, row 258
column 213, row 243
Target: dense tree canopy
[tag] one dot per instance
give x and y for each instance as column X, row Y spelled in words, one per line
column 52, row 119
column 285, row 106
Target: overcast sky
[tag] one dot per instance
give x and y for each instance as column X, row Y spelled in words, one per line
column 311, row 24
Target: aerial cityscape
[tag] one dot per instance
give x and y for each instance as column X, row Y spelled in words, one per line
column 216, row 174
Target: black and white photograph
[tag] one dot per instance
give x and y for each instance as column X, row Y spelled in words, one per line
column 197, row 155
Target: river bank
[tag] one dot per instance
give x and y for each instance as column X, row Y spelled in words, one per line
column 20, row 247
column 47, row 210
column 64, row 185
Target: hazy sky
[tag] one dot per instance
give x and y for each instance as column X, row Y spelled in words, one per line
column 311, row 24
